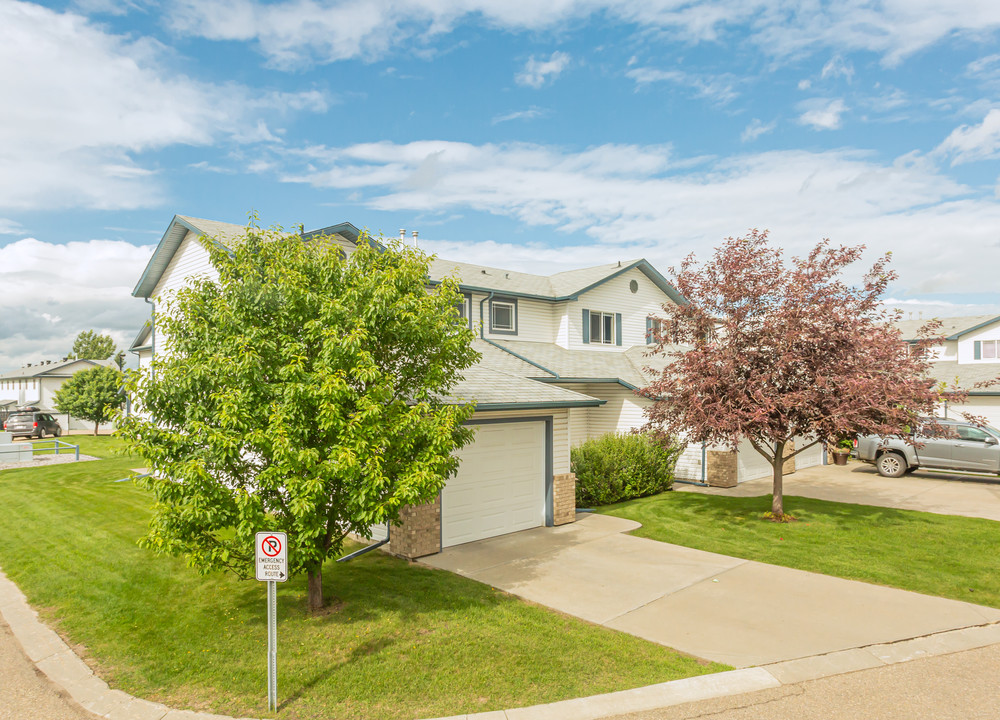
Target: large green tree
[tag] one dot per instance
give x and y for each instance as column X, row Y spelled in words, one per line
column 89, row 345
column 303, row 391
column 94, row 394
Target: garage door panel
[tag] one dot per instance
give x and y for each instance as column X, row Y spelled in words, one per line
column 500, row 485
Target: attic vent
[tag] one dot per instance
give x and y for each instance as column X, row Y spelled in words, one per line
column 633, row 286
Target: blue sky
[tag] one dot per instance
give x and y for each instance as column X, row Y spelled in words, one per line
column 534, row 136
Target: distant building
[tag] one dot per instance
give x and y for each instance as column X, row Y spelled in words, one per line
column 36, row 384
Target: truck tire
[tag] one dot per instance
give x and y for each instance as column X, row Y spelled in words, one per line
column 891, row 464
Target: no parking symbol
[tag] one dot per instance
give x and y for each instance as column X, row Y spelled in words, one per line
column 272, row 556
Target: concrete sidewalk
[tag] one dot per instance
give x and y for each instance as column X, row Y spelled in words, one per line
column 730, row 610
column 860, row 483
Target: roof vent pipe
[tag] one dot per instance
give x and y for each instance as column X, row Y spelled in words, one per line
column 402, row 233
column 415, row 233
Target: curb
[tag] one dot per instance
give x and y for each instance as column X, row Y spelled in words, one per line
column 67, row 671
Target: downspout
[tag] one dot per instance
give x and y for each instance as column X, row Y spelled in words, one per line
column 362, row 551
column 704, row 470
column 152, row 334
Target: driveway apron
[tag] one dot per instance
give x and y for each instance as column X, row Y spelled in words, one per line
column 715, row 607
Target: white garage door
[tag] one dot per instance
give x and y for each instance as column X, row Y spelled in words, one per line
column 500, row 485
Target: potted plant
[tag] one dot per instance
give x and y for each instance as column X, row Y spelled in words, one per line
column 842, row 450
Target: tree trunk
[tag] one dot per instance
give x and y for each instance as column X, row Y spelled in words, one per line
column 96, row 424
column 777, row 465
column 316, row 589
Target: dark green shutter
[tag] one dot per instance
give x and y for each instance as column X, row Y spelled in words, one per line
column 977, row 350
column 618, row 328
column 586, row 326
column 649, row 329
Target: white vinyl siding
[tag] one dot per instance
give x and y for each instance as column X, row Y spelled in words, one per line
column 622, row 412
column 534, row 319
column 614, row 297
column 190, row 260
column 967, row 345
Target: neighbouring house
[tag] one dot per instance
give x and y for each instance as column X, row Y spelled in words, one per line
column 36, row 384
column 968, row 355
column 562, row 356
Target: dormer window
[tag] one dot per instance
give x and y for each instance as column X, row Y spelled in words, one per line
column 602, row 328
column 464, row 309
column 503, row 316
column 987, row 349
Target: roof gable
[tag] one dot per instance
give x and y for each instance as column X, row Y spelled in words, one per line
column 952, row 328
column 59, row 368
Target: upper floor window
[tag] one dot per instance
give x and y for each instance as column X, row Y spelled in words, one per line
column 601, row 327
column 464, row 309
column 657, row 329
column 503, row 316
column 986, row 350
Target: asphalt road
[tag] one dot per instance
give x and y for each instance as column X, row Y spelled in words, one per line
column 960, row 686
column 25, row 693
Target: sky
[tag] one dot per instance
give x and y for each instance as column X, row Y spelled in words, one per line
column 535, row 136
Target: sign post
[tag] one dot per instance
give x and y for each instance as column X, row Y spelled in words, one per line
column 271, row 550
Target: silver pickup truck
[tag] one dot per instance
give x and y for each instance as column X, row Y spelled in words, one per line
column 938, row 444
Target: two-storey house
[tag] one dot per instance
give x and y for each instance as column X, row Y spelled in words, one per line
column 968, row 355
column 562, row 357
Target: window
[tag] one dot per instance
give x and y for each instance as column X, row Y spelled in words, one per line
column 972, row 434
column 602, row 328
column 464, row 309
column 503, row 317
column 986, row 350
column 657, row 329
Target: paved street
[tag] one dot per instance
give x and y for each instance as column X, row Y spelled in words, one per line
column 960, row 686
column 26, row 694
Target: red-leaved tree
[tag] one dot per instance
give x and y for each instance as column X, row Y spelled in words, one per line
column 780, row 351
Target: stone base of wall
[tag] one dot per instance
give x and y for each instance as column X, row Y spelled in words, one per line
column 563, row 498
column 722, row 469
column 418, row 532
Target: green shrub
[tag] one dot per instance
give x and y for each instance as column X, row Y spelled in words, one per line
column 613, row 468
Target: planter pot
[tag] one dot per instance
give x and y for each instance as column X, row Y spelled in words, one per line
column 840, row 458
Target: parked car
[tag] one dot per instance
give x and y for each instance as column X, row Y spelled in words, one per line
column 936, row 443
column 31, row 422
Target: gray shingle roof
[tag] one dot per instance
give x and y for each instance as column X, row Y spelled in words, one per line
column 949, row 326
column 625, row 367
column 53, row 369
column 495, row 389
column 966, row 375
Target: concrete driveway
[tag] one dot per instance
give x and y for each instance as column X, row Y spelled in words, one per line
column 733, row 611
column 859, row 483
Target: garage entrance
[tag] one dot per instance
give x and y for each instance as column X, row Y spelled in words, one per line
column 500, row 485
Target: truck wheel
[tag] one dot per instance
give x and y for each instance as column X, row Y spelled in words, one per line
column 891, row 464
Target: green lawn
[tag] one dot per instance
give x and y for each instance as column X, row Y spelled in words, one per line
column 954, row 557
column 102, row 446
column 401, row 642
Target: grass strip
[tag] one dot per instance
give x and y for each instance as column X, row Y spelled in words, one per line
column 401, row 641
column 944, row 555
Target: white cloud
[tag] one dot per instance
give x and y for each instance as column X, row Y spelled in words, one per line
column 294, row 32
column 536, row 73
column 838, row 67
column 755, row 129
column 822, row 114
column 975, row 142
column 640, row 200
column 719, row 88
column 529, row 114
column 805, row 84
column 82, row 103
column 9, row 227
column 72, row 287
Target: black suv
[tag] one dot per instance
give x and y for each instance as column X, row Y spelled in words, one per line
column 31, row 422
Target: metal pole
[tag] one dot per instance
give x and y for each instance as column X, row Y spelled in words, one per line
column 272, row 646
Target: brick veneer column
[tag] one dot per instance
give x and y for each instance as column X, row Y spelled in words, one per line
column 563, row 498
column 722, row 468
column 418, row 532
